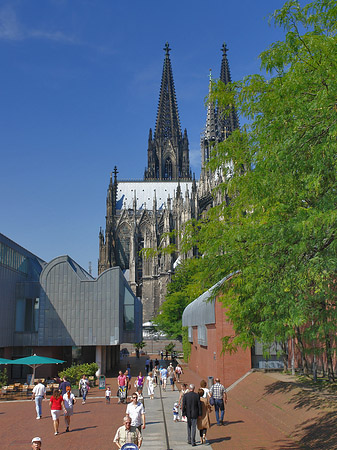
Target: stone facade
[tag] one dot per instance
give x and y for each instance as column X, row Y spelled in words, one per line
column 142, row 214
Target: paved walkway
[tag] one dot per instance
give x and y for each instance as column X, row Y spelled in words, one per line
column 265, row 412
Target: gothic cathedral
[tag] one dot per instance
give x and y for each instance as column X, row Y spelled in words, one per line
column 140, row 214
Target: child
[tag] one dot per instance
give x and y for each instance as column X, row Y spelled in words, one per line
column 140, row 396
column 107, row 395
column 175, row 412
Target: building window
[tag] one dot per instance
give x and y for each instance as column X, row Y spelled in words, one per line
column 190, row 334
column 168, row 169
column 202, row 335
column 123, row 246
column 27, row 315
column 13, row 259
column 129, row 311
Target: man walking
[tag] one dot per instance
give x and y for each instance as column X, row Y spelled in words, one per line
column 219, row 393
column 39, row 393
column 192, row 410
column 136, row 412
column 125, row 435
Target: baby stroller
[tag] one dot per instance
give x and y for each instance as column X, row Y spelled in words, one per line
column 122, row 394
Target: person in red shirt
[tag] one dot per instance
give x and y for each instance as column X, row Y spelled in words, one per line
column 56, row 406
column 122, row 383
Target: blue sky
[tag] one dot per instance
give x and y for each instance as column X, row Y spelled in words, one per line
column 79, row 88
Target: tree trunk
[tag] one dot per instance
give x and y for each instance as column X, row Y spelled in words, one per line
column 331, row 375
column 305, row 366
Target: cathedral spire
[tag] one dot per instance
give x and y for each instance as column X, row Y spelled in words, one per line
column 168, row 123
column 168, row 151
column 210, row 131
column 227, row 122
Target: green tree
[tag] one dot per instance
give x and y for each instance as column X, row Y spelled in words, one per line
column 279, row 226
column 139, row 345
column 187, row 284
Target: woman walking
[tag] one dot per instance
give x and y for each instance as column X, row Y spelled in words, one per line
column 56, row 406
column 150, row 385
column 139, row 381
column 203, row 422
column 68, row 400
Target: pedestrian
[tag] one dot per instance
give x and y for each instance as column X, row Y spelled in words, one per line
column 107, row 395
column 171, row 375
column 36, row 443
column 125, row 435
column 219, row 394
column 122, row 386
column 184, row 390
column 156, row 362
column 150, row 385
column 161, row 355
column 139, row 381
column 151, row 365
column 203, row 422
column 203, row 386
column 140, row 396
column 147, row 365
column 56, row 406
column 69, row 401
column 178, row 371
column 156, row 374
column 163, row 377
column 39, row 393
column 63, row 385
column 175, row 412
column 128, row 368
column 83, row 386
column 128, row 384
column 137, row 353
column 192, row 410
column 136, row 411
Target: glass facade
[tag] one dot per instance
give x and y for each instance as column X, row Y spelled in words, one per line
column 13, row 259
column 27, row 315
column 129, row 311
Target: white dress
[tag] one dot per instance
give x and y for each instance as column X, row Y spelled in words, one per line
column 150, row 387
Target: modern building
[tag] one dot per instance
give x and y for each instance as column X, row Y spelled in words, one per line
column 207, row 326
column 59, row 310
column 143, row 214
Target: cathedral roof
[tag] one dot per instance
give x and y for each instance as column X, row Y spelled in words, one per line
column 145, row 192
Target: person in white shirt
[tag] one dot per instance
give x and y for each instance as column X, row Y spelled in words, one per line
column 39, row 393
column 136, row 412
column 107, row 395
column 68, row 401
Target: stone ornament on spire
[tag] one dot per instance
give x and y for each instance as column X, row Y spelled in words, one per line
column 224, row 49
column 167, row 49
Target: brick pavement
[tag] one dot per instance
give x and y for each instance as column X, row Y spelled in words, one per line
column 264, row 412
column 270, row 411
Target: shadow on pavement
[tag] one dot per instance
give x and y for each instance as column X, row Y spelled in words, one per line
column 82, row 429
column 217, row 440
column 302, row 396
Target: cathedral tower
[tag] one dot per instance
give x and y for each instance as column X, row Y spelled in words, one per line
column 168, row 152
column 219, row 125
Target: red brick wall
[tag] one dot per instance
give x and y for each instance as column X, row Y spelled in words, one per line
column 208, row 361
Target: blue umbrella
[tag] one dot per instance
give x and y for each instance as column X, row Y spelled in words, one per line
column 36, row 361
column 5, row 361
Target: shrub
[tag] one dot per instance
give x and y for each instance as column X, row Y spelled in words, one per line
column 75, row 372
column 3, row 377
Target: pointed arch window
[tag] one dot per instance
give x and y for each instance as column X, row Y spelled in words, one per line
column 168, row 169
